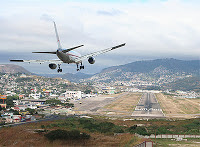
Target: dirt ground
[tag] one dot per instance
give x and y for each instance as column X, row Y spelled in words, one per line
column 179, row 107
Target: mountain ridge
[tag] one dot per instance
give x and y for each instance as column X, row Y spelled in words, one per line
column 143, row 70
column 149, row 65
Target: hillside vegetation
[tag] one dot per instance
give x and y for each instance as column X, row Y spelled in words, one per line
column 186, row 84
column 74, row 131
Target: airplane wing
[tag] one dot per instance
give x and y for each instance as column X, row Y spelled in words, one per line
column 56, row 61
column 79, row 59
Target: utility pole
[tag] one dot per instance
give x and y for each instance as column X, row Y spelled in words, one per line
column 155, row 138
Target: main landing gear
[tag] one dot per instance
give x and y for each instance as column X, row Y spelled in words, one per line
column 59, row 69
column 81, row 67
column 78, row 68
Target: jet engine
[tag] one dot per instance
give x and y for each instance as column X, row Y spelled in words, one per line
column 91, row 60
column 52, row 66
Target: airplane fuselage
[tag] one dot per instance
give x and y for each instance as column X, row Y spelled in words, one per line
column 68, row 57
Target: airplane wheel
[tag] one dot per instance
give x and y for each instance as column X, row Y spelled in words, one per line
column 59, row 70
column 81, row 67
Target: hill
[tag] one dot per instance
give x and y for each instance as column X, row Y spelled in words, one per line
column 186, row 84
column 147, row 66
column 153, row 74
column 151, row 71
column 69, row 76
column 170, row 73
column 76, row 77
column 11, row 68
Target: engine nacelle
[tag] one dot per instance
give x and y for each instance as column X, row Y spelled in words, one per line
column 91, row 60
column 52, row 66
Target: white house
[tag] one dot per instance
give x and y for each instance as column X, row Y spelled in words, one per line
column 35, row 95
column 72, row 94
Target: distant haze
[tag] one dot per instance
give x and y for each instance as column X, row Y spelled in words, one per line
column 152, row 29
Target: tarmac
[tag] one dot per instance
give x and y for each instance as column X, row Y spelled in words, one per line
column 148, row 106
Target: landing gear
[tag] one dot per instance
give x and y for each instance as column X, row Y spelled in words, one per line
column 77, row 67
column 81, row 67
column 59, row 69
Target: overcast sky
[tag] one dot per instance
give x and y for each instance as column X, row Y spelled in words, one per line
column 152, row 29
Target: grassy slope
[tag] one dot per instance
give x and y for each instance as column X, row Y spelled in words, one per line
column 25, row 135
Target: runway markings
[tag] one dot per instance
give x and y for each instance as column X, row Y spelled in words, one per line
column 148, row 106
column 146, row 109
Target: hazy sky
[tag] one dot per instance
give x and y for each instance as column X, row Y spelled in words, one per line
column 152, row 29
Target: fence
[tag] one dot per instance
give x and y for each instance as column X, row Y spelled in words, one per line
column 169, row 136
column 145, row 144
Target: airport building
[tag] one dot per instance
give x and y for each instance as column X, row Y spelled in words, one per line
column 71, row 95
column 108, row 90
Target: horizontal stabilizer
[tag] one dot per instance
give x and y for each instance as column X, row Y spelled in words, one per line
column 56, row 61
column 67, row 50
column 16, row 60
column 45, row 52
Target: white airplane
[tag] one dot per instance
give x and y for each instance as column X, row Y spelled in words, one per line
column 68, row 56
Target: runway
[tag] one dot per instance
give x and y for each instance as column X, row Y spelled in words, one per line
column 94, row 104
column 148, row 106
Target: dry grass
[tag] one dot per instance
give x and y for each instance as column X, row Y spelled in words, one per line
column 23, row 136
column 124, row 105
column 178, row 107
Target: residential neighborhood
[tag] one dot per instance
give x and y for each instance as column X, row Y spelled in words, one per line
column 30, row 97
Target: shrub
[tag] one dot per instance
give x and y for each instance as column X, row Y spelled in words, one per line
column 66, row 135
column 118, row 129
column 141, row 131
column 138, row 130
column 105, row 127
column 132, row 129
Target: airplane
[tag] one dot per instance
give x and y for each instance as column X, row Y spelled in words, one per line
column 68, row 55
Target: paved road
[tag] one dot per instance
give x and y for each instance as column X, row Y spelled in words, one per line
column 49, row 118
column 148, row 106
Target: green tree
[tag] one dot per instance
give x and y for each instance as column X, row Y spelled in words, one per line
column 53, row 102
column 31, row 111
column 87, row 91
column 9, row 100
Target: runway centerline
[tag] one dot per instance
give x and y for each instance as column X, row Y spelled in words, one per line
column 148, row 106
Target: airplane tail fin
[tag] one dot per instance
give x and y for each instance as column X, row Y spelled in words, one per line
column 57, row 37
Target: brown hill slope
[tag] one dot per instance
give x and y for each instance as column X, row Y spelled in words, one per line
column 11, row 68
